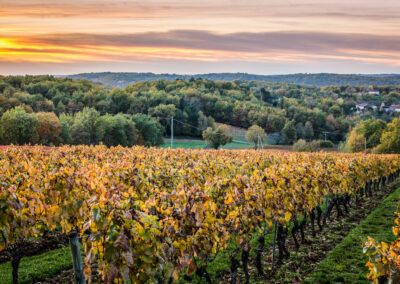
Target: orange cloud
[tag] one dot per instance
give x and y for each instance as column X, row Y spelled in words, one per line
column 257, row 31
column 201, row 46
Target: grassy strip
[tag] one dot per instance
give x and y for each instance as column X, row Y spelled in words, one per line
column 38, row 267
column 200, row 144
column 346, row 263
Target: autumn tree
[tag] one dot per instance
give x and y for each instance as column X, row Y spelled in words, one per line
column 355, row 141
column 390, row 139
column 366, row 134
column 48, row 128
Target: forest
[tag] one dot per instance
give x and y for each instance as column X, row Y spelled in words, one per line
column 54, row 111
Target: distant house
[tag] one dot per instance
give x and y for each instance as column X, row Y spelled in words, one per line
column 361, row 107
column 395, row 108
column 365, row 106
column 373, row 93
column 390, row 109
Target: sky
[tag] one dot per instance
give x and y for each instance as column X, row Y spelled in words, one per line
column 189, row 37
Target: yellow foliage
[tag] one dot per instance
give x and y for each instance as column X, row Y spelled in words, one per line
column 144, row 212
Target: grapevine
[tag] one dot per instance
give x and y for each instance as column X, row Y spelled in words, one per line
column 147, row 214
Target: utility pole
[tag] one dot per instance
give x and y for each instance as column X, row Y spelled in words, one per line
column 325, row 133
column 259, row 143
column 172, row 132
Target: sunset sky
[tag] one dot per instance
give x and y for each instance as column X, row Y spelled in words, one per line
column 182, row 36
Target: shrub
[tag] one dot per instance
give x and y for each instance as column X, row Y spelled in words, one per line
column 326, row 144
column 303, row 146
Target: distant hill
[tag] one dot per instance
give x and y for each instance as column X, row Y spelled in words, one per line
column 122, row 79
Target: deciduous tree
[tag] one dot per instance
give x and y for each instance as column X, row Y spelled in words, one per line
column 18, row 127
column 217, row 137
column 49, row 128
column 254, row 133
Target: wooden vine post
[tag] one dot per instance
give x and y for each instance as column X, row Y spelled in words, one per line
column 76, row 258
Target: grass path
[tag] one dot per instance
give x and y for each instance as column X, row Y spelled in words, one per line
column 38, row 267
column 346, row 263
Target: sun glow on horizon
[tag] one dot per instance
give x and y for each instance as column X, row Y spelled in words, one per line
column 319, row 35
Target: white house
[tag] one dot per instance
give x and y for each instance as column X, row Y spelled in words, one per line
column 361, row 107
column 395, row 108
column 365, row 106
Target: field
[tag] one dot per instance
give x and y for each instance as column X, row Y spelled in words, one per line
column 201, row 144
column 153, row 215
column 188, row 143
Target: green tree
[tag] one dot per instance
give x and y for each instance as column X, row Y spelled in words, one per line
column 84, row 127
column 369, row 131
column 372, row 129
column 275, row 123
column 336, row 110
column 308, row 131
column 390, row 140
column 60, row 108
column 120, row 100
column 299, row 130
column 205, row 121
column 150, row 131
column 253, row 134
column 18, row 127
column 289, row 132
column 66, row 121
column 115, row 130
column 217, row 137
column 163, row 114
column 79, row 132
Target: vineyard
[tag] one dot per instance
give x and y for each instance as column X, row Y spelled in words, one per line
column 150, row 215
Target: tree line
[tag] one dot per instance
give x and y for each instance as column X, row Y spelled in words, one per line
column 286, row 112
column 17, row 126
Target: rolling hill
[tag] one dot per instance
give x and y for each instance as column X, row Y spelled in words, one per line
column 123, row 79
